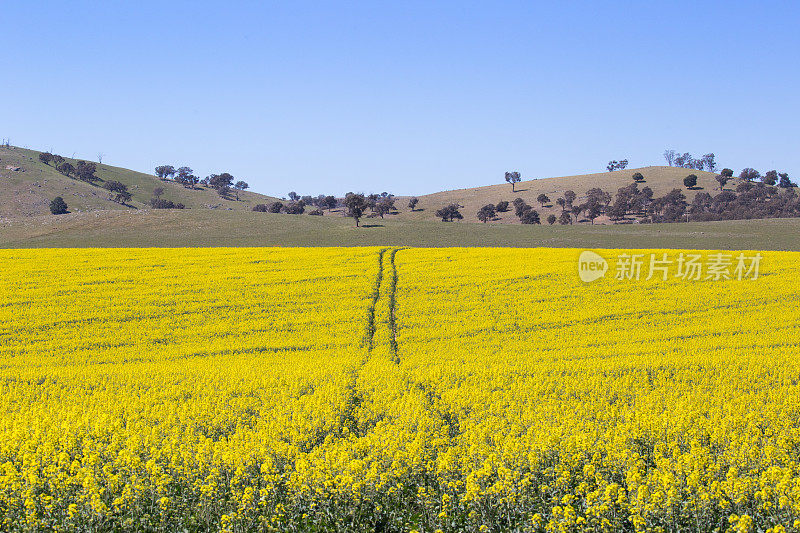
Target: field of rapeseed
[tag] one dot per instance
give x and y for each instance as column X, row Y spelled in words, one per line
column 393, row 390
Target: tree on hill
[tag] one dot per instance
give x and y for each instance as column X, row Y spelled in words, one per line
column 119, row 190
column 551, row 219
column 189, row 181
column 592, row 208
column 486, row 213
column 293, row 196
column 183, row 173
column 562, row 203
column 165, row 171
column 637, row 176
column 502, row 206
column 728, row 173
column 530, row 216
column 221, row 183
column 449, row 213
column 749, row 174
column 569, row 198
column 46, row 157
column 670, row 156
column 722, row 180
column 85, row 170
column 690, row 181
column 356, row 205
column 564, row 218
column 543, row 199
column 513, row 178
column 708, row 162
column 385, row 205
column 770, row 178
column 240, row 186
column 520, row 206
column 65, row 168
column 785, row 182
column 412, row 203
column 58, row 206
column 599, row 195
column 57, row 160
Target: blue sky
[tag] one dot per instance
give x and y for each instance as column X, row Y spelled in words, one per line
column 407, row 97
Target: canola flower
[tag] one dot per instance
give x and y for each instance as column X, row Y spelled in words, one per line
column 386, row 389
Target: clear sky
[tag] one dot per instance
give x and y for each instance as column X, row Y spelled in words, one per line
column 407, row 97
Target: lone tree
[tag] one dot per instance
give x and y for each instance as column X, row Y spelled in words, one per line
column 551, row 219
column 728, row 173
column 412, row 203
column 293, row 196
column 240, row 186
column 45, row 157
column 543, row 199
column 513, row 178
column 637, row 176
column 355, row 204
column 165, row 171
column 449, row 213
column 690, row 181
column 58, row 206
column 486, row 213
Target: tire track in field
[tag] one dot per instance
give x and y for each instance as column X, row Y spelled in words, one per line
column 393, row 306
column 369, row 333
column 433, row 398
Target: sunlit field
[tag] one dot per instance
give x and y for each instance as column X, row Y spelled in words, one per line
column 392, row 389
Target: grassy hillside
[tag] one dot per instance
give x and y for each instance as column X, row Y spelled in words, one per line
column 29, row 192
column 660, row 179
column 241, row 228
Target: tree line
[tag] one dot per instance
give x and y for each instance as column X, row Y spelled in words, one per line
column 355, row 205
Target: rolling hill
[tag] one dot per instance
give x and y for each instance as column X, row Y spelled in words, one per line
column 28, row 192
column 660, row 179
column 95, row 220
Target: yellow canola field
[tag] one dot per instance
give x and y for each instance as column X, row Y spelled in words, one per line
column 372, row 389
